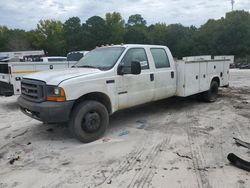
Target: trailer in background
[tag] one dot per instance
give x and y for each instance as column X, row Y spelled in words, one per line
column 11, row 73
column 28, row 62
column 22, row 56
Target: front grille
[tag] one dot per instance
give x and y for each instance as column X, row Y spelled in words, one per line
column 33, row 90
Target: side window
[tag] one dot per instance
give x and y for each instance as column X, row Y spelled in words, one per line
column 135, row 54
column 160, row 57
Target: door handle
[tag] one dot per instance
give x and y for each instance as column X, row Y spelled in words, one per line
column 172, row 74
column 152, row 77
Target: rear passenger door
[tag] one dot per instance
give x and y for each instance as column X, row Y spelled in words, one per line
column 164, row 74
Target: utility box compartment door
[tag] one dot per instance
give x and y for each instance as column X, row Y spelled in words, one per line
column 192, row 78
column 203, row 78
column 225, row 80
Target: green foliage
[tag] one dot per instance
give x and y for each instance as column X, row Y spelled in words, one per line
column 97, row 31
column 157, row 33
column 116, row 26
column 136, row 30
column 35, row 38
column 136, row 19
column 17, row 40
column 4, row 37
column 51, row 32
column 243, row 60
column 13, row 40
column 72, row 33
column 135, row 35
column 225, row 36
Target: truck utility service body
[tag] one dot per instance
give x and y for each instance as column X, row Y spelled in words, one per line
column 116, row 77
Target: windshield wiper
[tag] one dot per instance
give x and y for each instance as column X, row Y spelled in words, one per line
column 104, row 68
column 87, row 66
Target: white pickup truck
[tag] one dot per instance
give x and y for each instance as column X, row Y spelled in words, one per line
column 112, row 78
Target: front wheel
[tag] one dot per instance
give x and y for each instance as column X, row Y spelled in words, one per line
column 212, row 94
column 89, row 121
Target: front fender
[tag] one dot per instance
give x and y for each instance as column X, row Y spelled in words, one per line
column 76, row 89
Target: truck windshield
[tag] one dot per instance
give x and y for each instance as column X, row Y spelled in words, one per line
column 101, row 58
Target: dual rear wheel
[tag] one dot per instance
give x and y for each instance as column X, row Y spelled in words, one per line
column 212, row 94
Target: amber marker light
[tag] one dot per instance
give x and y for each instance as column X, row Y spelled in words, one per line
column 55, row 94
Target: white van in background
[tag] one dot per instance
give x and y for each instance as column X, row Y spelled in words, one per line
column 76, row 55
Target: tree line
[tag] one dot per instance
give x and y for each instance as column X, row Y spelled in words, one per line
column 229, row 35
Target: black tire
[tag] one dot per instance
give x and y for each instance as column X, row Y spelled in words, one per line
column 199, row 97
column 212, row 94
column 89, row 121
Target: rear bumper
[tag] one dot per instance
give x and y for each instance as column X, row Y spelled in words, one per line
column 48, row 112
column 6, row 89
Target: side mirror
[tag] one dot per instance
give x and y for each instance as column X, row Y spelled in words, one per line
column 120, row 70
column 135, row 67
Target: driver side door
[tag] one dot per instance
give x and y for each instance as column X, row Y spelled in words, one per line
column 135, row 89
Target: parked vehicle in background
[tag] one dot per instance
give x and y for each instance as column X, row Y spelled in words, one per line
column 112, row 78
column 244, row 66
column 14, row 65
column 11, row 73
column 232, row 66
column 21, row 56
column 76, row 55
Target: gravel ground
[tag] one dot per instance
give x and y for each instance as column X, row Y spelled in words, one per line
column 178, row 142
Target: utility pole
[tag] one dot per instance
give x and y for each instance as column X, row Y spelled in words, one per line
column 232, row 2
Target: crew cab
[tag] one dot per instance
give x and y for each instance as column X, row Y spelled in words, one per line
column 116, row 77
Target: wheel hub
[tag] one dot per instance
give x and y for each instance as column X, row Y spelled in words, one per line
column 91, row 122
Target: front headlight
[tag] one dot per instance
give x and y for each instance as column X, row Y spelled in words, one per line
column 55, row 94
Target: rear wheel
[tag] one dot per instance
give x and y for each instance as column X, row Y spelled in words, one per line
column 89, row 121
column 212, row 94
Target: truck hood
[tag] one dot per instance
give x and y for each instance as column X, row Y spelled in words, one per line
column 55, row 77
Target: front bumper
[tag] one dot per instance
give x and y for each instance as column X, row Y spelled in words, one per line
column 48, row 112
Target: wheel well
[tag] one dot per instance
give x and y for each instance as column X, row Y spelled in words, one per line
column 96, row 96
column 216, row 79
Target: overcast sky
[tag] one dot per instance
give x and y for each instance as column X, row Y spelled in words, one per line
column 25, row 14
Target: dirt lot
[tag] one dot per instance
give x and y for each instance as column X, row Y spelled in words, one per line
column 178, row 142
